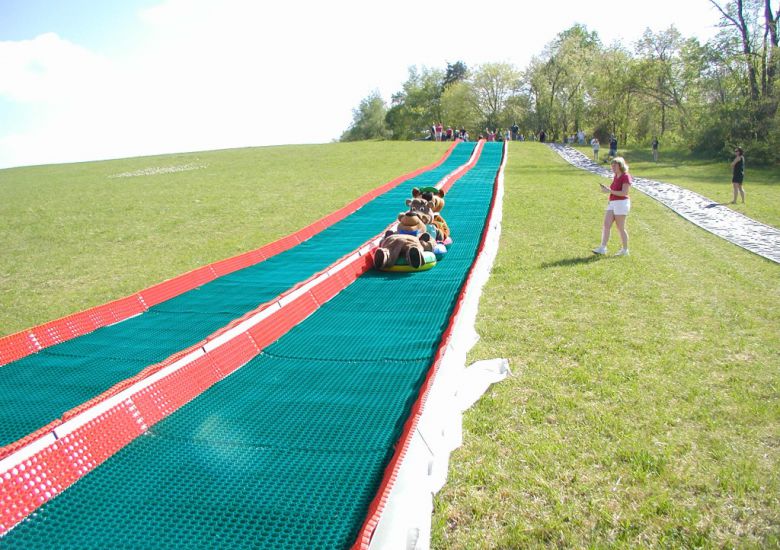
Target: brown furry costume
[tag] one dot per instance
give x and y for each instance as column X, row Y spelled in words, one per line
column 437, row 205
column 410, row 238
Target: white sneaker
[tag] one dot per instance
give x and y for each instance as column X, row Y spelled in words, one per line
column 600, row 250
column 622, row 252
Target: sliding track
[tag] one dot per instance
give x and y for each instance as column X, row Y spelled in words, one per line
column 290, row 449
column 40, row 388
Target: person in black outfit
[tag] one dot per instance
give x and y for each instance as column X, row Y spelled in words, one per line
column 613, row 144
column 738, row 174
column 542, row 136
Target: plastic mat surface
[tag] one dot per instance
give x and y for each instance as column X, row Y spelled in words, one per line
column 288, row 451
column 39, row 388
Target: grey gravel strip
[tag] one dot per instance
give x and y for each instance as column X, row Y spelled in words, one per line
column 724, row 222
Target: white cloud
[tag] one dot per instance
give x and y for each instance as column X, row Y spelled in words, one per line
column 48, row 69
column 204, row 74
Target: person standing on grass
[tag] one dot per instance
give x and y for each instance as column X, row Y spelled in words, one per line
column 738, row 174
column 595, row 144
column 655, row 149
column 613, row 143
column 618, row 206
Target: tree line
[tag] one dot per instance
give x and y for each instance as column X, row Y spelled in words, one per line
column 707, row 98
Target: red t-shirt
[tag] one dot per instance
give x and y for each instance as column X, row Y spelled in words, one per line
column 617, row 185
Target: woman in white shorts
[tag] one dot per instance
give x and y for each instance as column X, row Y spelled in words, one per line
column 618, row 207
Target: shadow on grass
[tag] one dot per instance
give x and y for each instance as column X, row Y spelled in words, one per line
column 573, row 261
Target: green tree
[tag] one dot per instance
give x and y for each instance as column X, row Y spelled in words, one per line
column 559, row 81
column 458, row 106
column 417, row 105
column 663, row 78
column 368, row 120
column 456, row 72
column 612, row 99
column 749, row 41
column 493, row 84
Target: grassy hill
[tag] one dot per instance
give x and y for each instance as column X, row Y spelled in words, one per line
column 643, row 409
column 77, row 235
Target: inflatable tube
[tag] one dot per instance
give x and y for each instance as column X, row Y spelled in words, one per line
column 403, row 267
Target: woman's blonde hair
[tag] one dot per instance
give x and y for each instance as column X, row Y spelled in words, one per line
column 620, row 161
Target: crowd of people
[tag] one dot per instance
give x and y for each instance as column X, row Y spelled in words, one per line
column 440, row 133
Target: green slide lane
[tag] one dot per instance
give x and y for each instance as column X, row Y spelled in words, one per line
column 289, row 450
column 38, row 389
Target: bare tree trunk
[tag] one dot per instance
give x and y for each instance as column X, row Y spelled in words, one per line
column 663, row 118
column 744, row 32
column 771, row 54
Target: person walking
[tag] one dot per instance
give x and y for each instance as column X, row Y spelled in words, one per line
column 594, row 143
column 618, row 206
column 655, row 149
column 738, row 174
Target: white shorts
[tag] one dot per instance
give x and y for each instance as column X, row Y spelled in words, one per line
column 619, row 208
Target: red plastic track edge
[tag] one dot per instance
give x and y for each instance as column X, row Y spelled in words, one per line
column 379, row 502
column 29, row 341
column 71, row 448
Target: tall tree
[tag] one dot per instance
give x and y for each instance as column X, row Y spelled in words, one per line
column 772, row 48
column 734, row 14
column 368, row 120
column 417, row 105
column 558, row 81
column 493, row 84
column 663, row 76
column 456, row 72
column 753, row 26
column 458, row 106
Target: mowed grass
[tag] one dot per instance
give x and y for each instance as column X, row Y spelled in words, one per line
column 78, row 235
column 711, row 179
column 643, row 408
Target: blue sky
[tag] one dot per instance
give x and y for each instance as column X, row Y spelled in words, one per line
column 87, row 80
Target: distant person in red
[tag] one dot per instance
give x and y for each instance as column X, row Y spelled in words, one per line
column 618, row 207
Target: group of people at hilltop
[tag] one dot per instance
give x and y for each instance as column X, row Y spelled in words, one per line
column 439, row 133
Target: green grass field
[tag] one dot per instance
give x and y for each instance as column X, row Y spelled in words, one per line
column 78, row 235
column 643, row 409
